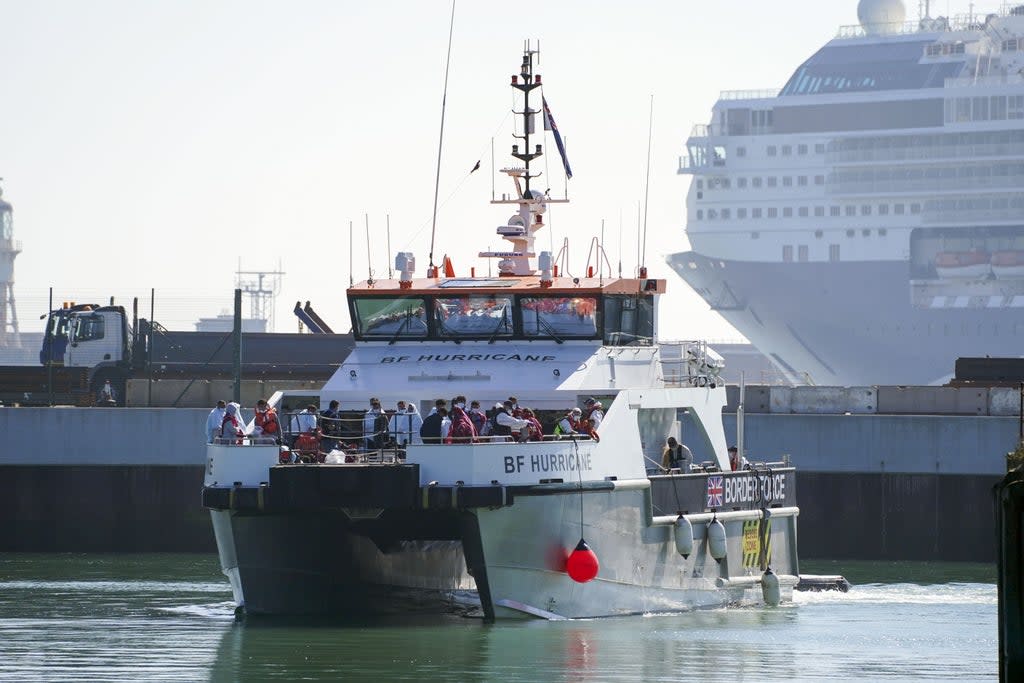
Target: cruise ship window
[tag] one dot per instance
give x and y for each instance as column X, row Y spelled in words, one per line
column 801, row 180
column 787, row 253
column 915, row 208
column 741, row 151
column 866, row 232
column 897, row 209
column 979, row 110
column 755, row 235
column 773, row 212
column 833, row 211
column 700, row 214
column 726, row 183
column 741, row 182
column 772, row 150
column 755, row 213
column 819, row 211
column 819, row 234
column 883, row 209
column 819, row 180
column 741, row 213
column 802, row 253
column 850, row 210
column 787, row 212
column 801, row 149
column 756, row 182
column 997, row 107
column 803, row 212
column 725, row 214
column 787, row 150
column 772, row 181
column 851, row 233
column 787, row 181
column 865, row 210
column 833, row 252
column 819, row 148
column 712, row 214
column 700, row 195
column 1015, row 107
column 700, row 184
column 882, row 232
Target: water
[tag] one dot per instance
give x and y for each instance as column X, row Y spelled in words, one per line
column 170, row 618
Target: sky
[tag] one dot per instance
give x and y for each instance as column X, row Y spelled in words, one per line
column 161, row 145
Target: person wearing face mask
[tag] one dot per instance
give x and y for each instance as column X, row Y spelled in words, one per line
column 406, row 423
column 514, row 409
column 478, row 416
column 462, row 429
column 375, row 426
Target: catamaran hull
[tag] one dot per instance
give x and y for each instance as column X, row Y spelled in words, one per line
column 508, row 560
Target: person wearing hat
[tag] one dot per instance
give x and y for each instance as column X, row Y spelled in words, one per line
column 595, row 412
column 676, row 456
column 569, row 424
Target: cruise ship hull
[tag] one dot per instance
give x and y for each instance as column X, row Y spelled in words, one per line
column 852, row 323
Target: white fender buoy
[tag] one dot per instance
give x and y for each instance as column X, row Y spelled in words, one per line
column 684, row 537
column 716, row 539
column 770, row 588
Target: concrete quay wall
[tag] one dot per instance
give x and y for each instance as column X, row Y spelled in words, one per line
column 870, row 486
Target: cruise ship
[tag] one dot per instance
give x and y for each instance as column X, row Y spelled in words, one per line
column 865, row 224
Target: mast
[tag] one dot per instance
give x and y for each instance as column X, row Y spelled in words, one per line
column 532, row 204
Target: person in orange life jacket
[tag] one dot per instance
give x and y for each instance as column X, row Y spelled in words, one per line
column 569, row 424
column 265, row 422
column 462, row 429
column 534, row 428
column 231, row 426
column 478, row 417
column 736, row 461
column 503, row 424
column 595, row 412
column 676, row 456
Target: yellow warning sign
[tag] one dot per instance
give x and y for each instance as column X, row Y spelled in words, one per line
column 757, row 542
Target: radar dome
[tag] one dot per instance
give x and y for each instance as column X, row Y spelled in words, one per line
column 881, row 16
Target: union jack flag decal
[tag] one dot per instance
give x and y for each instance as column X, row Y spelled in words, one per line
column 716, row 492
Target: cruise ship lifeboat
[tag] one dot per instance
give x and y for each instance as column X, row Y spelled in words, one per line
column 1008, row 265
column 963, row 265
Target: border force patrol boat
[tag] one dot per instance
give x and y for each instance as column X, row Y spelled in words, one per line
column 584, row 524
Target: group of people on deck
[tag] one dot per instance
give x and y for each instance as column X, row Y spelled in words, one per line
column 448, row 422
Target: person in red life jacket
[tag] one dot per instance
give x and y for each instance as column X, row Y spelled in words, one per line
column 570, row 424
column 505, row 426
column 514, row 410
column 231, row 426
column 594, row 412
column 462, row 429
column 266, row 423
column 534, row 428
column 478, row 417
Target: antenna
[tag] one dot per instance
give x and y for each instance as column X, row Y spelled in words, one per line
column 351, row 270
column 262, row 288
column 369, row 265
column 647, row 188
column 620, row 241
column 440, row 141
column 390, row 272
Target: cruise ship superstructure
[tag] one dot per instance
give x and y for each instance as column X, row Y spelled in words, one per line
column 865, row 223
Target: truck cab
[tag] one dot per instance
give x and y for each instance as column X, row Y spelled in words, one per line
column 85, row 336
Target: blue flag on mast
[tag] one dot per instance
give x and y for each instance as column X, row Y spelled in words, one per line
column 549, row 124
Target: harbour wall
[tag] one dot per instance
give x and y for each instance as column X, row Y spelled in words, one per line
column 888, row 487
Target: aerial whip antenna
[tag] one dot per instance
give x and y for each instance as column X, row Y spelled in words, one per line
column 351, row 270
column 369, row 263
column 647, row 189
column 390, row 272
column 440, row 141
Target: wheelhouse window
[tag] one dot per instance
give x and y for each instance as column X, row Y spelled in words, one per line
column 628, row 320
column 559, row 316
column 390, row 318
column 460, row 317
